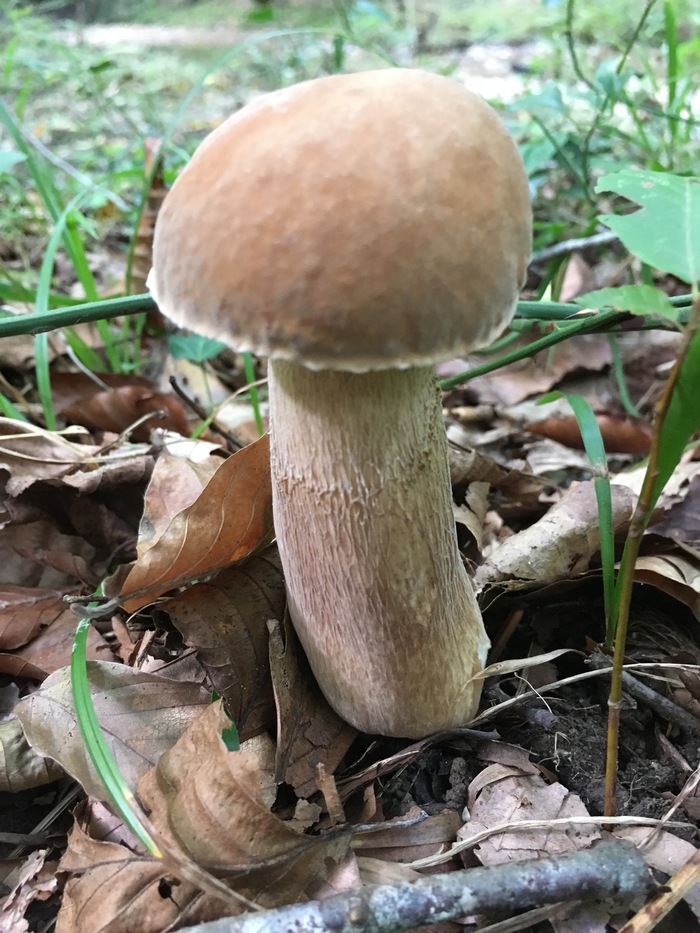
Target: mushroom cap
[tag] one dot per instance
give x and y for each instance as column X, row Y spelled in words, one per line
column 351, row 222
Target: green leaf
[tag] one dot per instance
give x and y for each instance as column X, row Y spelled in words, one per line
column 229, row 737
column 683, row 417
column 9, row 159
column 637, row 299
column 193, row 347
column 665, row 232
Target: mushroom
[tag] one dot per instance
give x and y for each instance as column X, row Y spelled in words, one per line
column 357, row 229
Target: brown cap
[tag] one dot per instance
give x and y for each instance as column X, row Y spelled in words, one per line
column 357, row 222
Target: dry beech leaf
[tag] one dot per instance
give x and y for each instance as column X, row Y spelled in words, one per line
column 142, row 715
column 230, row 519
column 559, row 545
column 25, row 611
column 225, row 621
column 207, row 801
column 502, row 794
column 21, row 767
column 309, row 732
column 109, row 888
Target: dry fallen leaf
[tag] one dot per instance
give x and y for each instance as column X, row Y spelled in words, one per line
column 309, row 732
column 621, row 433
column 142, row 715
column 25, row 611
column 109, row 888
column 225, row 621
column 126, row 399
column 504, row 794
column 21, row 767
column 207, row 801
column 559, row 545
column 37, row 879
column 229, row 520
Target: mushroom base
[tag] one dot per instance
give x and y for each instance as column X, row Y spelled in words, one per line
column 377, row 590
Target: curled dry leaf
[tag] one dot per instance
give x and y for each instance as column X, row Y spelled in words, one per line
column 21, row 767
column 677, row 574
column 37, row 880
column 560, row 544
column 229, row 520
column 225, row 620
column 309, row 732
column 141, row 715
column 207, row 801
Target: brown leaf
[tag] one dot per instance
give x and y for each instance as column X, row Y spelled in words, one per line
column 309, row 732
column 676, row 574
column 36, row 881
column 142, row 715
column 112, row 889
column 502, row 794
column 621, row 433
column 37, row 554
column 19, row 668
column 229, row 520
column 80, row 400
column 53, row 646
column 207, row 800
column 31, row 454
column 24, row 611
column 225, row 620
column 403, row 843
column 20, row 766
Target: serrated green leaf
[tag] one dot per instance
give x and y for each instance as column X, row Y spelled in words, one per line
column 665, row 232
column 637, row 299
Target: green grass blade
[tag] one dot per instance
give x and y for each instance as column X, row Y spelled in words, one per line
column 595, row 450
column 119, row 792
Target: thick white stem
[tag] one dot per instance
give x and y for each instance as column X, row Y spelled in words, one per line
column 363, row 513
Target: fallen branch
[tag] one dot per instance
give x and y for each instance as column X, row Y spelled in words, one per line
column 612, row 871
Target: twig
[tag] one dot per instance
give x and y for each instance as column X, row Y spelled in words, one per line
column 570, row 246
column 610, row 870
column 660, row 704
column 654, row 912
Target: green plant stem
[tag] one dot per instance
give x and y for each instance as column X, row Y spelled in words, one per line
column 625, row 579
column 81, row 312
column 603, row 320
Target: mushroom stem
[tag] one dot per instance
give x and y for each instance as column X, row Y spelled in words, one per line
column 377, row 590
